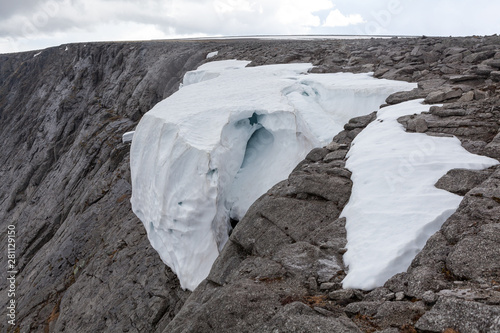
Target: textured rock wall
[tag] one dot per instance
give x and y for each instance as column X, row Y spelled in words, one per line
column 85, row 264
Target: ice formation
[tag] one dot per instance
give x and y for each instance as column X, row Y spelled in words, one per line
column 206, row 153
column 394, row 206
column 127, row 137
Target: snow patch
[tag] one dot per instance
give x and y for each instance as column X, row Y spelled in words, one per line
column 128, row 136
column 212, row 54
column 394, row 206
column 211, row 71
column 202, row 156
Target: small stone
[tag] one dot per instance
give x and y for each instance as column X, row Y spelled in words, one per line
column 302, row 196
column 462, row 315
column 447, row 70
column 333, row 146
column 408, row 70
column 495, row 76
column 453, row 58
column 484, row 70
column 492, row 62
column 368, row 67
column 461, row 181
column 342, row 250
column 403, row 96
column 317, row 154
column 378, row 294
column 421, row 126
column 454, row 50
column 390, row 296
column 360, row 122
column 430, row 85
column 480, row 94
column 429, row 297
column 335, row 155
column 443, row 95
column 467, row 97
column 317, row 69
column 60, row 288
column 430, row 57
column 434, row 97
column 363, row 308
column 381, row 71
column 328, row 286
column 416, row 51
column 323, row 311
column 341, row 295
column 480, row 56
column 400, row 296
column 462, row 77
column 359, row 294
column 313, row 285
column 354, row 133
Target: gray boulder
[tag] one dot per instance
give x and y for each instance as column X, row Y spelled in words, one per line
column 460, row 315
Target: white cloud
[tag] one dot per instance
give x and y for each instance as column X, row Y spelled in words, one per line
column 228, row 6
column 337, row 19
column 301, row 13
column 42, row 23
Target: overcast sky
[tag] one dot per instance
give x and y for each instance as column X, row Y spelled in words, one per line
column 35, row 24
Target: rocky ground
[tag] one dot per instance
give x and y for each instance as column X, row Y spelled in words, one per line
column 84, row 260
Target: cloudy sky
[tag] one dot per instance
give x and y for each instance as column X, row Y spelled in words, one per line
column 35, row 24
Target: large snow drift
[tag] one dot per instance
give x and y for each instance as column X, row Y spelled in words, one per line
column 206, row 153
column 394, row 207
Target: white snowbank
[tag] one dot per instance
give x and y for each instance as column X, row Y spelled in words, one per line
column 207, row 152
column 212, row 54
column 211, row 71
column 394, row 207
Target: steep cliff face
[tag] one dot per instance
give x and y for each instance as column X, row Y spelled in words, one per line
column 84, row 261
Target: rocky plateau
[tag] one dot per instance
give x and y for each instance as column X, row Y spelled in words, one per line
column 83, row 259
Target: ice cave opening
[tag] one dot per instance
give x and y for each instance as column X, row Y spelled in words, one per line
column 258, row 150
